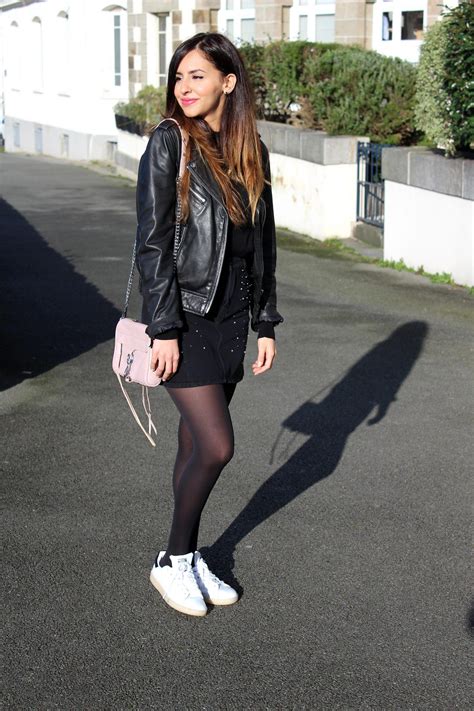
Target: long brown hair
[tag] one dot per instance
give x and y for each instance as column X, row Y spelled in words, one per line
column 240, row 158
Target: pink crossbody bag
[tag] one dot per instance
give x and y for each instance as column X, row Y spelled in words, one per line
column 131, row 360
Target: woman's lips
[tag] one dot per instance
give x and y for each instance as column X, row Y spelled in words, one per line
column 188, row 102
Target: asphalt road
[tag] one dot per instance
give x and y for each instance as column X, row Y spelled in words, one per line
column 343, row 518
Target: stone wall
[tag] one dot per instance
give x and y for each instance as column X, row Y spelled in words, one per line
column 313, row 177
column 429, row 212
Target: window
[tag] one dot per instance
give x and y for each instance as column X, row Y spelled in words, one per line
column 62, row 49
column 36, row 67
column 13, row 57
column 387, row 26
column 412, row 25
column 114, row 50
column 117, row 46
column 237, row 20
column 313, row 20
column 16, row 135
column 397, row 28
column 162, row 42
column 38, row 139
column 303, row 27
column 324, row 28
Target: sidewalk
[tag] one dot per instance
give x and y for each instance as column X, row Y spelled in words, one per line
column 342, row 518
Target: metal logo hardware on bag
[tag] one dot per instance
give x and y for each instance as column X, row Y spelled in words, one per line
column 133, row 347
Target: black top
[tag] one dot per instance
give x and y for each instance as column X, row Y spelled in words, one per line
column 239, row 244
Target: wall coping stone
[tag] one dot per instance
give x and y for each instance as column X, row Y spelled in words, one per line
column 422, row 168
column 308, row 144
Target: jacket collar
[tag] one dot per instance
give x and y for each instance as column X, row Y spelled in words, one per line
column 203, row 174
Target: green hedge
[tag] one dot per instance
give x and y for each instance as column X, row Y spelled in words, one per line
column 445, row 85
column 146, row 108
column 341, row 89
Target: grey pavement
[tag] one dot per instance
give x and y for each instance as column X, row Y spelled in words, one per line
column 343, row 518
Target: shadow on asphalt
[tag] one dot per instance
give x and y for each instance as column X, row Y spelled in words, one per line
column 49, row 313
column 366, row 391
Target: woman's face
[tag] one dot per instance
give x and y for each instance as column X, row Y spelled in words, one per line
column 200, row 88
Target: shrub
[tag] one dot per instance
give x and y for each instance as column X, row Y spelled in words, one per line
column 445, row 85
column 339, row 88
column 360, row 92
column 282, row 67
column 145, row 110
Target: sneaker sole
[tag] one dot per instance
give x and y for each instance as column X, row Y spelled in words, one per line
column 176, row 605
column 220, row 602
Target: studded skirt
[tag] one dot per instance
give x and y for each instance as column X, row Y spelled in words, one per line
column 212, row 347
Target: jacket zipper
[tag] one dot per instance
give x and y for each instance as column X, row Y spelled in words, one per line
column 221, row 256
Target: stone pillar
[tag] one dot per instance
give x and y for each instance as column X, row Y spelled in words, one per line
column 354, row 22
column 139, row 15
column 205, row 15
column 434, row 11
column 270, row 18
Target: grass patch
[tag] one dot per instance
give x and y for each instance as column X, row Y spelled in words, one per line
column 334, row 248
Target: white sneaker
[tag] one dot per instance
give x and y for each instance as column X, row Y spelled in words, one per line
column 177, row 584
column 213, row 590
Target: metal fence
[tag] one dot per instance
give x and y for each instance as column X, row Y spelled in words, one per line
column 370, row 185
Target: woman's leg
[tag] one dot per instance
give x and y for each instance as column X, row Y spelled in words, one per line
column 205, row 445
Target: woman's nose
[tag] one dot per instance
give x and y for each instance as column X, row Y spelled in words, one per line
column 184, row 86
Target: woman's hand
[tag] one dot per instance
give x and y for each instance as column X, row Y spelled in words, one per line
column 266, row 354
column 165, row 357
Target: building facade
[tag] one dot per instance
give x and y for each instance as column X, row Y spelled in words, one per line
column 64, row 64
column 392, row 27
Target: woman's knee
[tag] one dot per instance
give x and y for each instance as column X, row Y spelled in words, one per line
column 219, row 455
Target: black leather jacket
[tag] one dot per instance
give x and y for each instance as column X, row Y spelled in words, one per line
column 192, row 286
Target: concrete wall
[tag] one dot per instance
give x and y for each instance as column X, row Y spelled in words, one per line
column 429, row 212
column 57, row 141
column 313, row 177
column 313, row 199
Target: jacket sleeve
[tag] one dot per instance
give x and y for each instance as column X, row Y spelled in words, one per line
column 156, row 204
column 268, row 301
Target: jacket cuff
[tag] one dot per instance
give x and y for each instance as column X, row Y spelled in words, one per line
column 266, row 329
column 168, row 335
column 155, row 331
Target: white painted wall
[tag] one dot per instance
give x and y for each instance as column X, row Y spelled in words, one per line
column 429, row 229
column 315, row 200
column 131, row 145
column 71, row 87
column 312, row 199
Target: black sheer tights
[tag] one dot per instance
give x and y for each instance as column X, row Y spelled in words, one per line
column 205, row 446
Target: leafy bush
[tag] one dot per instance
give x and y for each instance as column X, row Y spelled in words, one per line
column 445, row 85
column 360, row 92
column 339, row 89
column 275, row 71
column 283, row 64
column 145, row 110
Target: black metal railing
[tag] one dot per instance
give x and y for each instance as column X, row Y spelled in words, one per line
column 370, row 184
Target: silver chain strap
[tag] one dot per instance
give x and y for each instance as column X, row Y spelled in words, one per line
column 177, row 231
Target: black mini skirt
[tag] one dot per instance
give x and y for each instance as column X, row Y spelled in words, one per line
column 212, row 347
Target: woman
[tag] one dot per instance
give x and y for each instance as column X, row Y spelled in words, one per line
column 196, row 301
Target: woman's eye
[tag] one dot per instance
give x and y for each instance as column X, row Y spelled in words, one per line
column 196, row 77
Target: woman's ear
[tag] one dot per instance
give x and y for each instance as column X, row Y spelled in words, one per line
column 229, row 83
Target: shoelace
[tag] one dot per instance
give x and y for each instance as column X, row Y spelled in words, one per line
column 184, row 577
column 207, row 574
